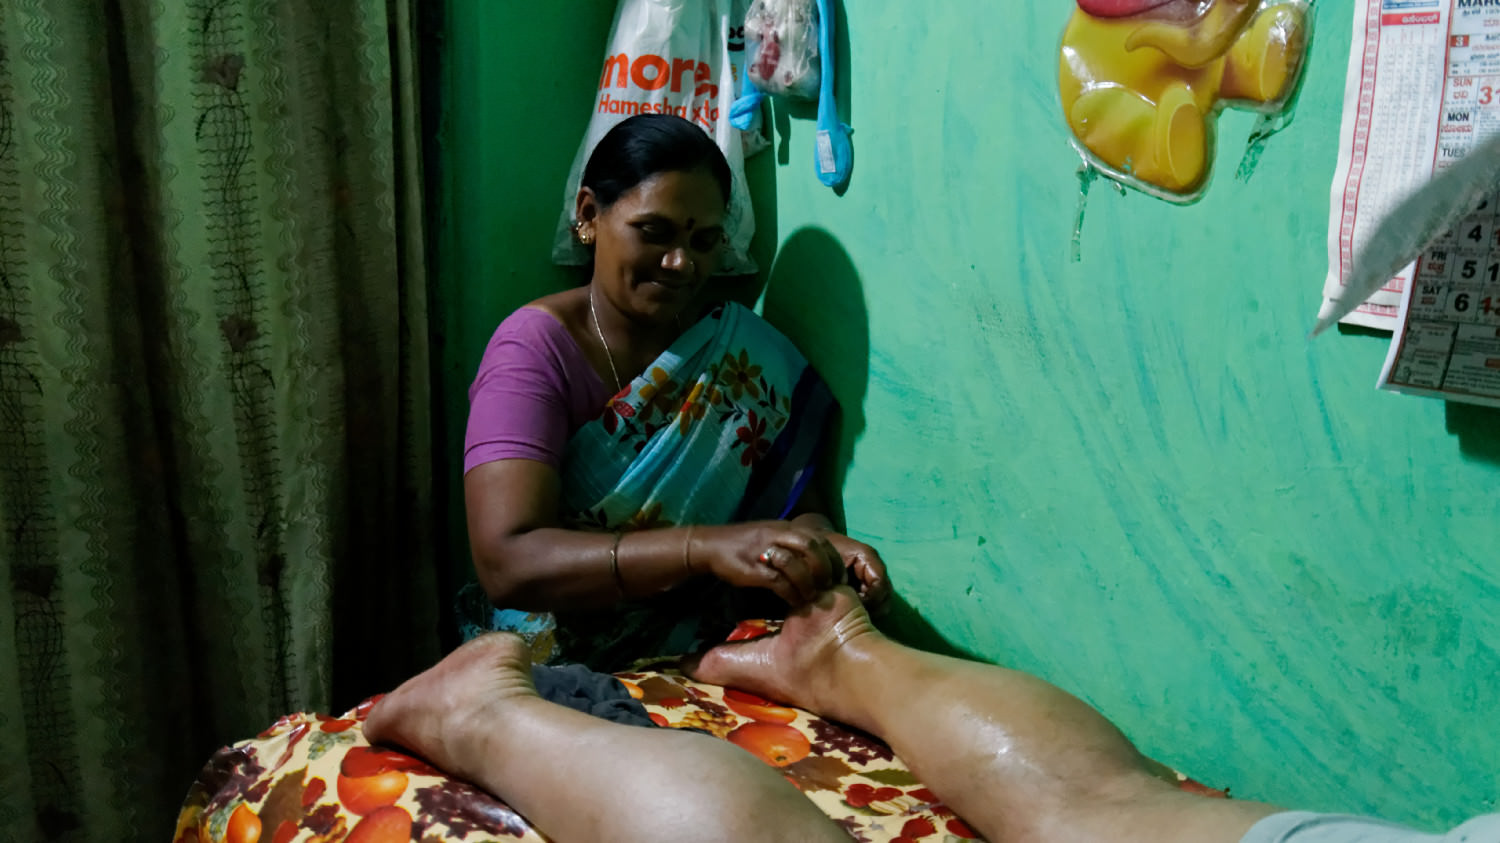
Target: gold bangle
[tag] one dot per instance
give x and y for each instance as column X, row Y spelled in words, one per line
column 687, row 545
column 614, row 563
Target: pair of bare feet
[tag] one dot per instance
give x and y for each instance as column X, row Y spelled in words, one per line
column 477, row 716
column 438, row 712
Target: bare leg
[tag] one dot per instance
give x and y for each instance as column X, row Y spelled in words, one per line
column 1019, row 759
column 575, row 777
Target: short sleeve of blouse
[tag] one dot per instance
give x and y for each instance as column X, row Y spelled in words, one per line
column 534, row 388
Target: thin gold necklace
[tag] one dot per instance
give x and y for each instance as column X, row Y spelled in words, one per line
column 608, row 354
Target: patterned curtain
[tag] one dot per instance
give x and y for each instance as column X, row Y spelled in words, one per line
column 216, row 500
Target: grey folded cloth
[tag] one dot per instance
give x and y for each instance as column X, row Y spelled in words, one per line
column 590, row 692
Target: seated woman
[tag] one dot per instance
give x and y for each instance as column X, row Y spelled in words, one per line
column 638, row 456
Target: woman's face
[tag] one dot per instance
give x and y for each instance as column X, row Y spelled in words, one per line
column 657, row 244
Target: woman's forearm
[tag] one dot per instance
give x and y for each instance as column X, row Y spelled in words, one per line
column 550, row 569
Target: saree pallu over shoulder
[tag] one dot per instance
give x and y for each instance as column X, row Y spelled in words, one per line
column 725, row 426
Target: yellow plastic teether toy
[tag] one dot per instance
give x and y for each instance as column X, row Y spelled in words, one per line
column 1142, row 79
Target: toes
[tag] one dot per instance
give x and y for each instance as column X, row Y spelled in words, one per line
column 728, row 664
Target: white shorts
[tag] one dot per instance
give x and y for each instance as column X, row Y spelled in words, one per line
column 1306, row 827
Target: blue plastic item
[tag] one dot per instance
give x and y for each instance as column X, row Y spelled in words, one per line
column 742, row 110
column 834, row 154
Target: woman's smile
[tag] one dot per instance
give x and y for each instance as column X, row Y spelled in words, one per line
column 684, row 285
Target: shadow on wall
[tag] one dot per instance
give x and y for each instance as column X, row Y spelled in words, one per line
column 760, row 177
column 1477, row 429
column 815, row 297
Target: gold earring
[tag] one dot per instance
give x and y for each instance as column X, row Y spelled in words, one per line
column 584, row 239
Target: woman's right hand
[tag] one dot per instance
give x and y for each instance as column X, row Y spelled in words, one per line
column 796, row 562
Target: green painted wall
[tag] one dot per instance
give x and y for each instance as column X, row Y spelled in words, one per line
column 1129, row 474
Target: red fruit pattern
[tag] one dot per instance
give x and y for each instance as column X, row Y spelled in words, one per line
column 286, row 831
column 915, row 830
column 776, row 744
column 757, row 708
column 366, row 794
column 746, row 630
column 387, row 825
column 313, row 792
column 369, row 761
column 918, row 828
column 860, row 795
column 244, row 826
column 335, row 724
column 342, row 788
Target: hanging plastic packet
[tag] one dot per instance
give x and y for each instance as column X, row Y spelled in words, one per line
column 781, row 56
column 782, row 46
column 1142, row 81
column 790, row 51
column 669, row 57
column 752, row 135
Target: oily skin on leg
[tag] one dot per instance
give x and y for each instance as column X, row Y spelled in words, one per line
column 1018, row 758
column 477, row 716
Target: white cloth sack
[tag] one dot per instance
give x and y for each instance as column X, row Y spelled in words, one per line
column 670, row 55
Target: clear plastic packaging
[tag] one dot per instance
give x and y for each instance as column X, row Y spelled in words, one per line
column 782, row 40
column 1142, row 81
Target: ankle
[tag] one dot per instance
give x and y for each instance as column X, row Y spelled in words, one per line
column 471, row 741
column 847, row 689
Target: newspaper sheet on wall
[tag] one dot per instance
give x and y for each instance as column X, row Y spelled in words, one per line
column 1423, row 89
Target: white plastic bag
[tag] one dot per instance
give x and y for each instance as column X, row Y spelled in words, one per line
column 668, row 56
column 782, row 37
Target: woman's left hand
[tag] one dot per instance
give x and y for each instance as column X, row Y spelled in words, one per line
column 866, row 568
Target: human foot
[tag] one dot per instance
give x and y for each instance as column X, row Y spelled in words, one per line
column 444, row 713
column 797, row 665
